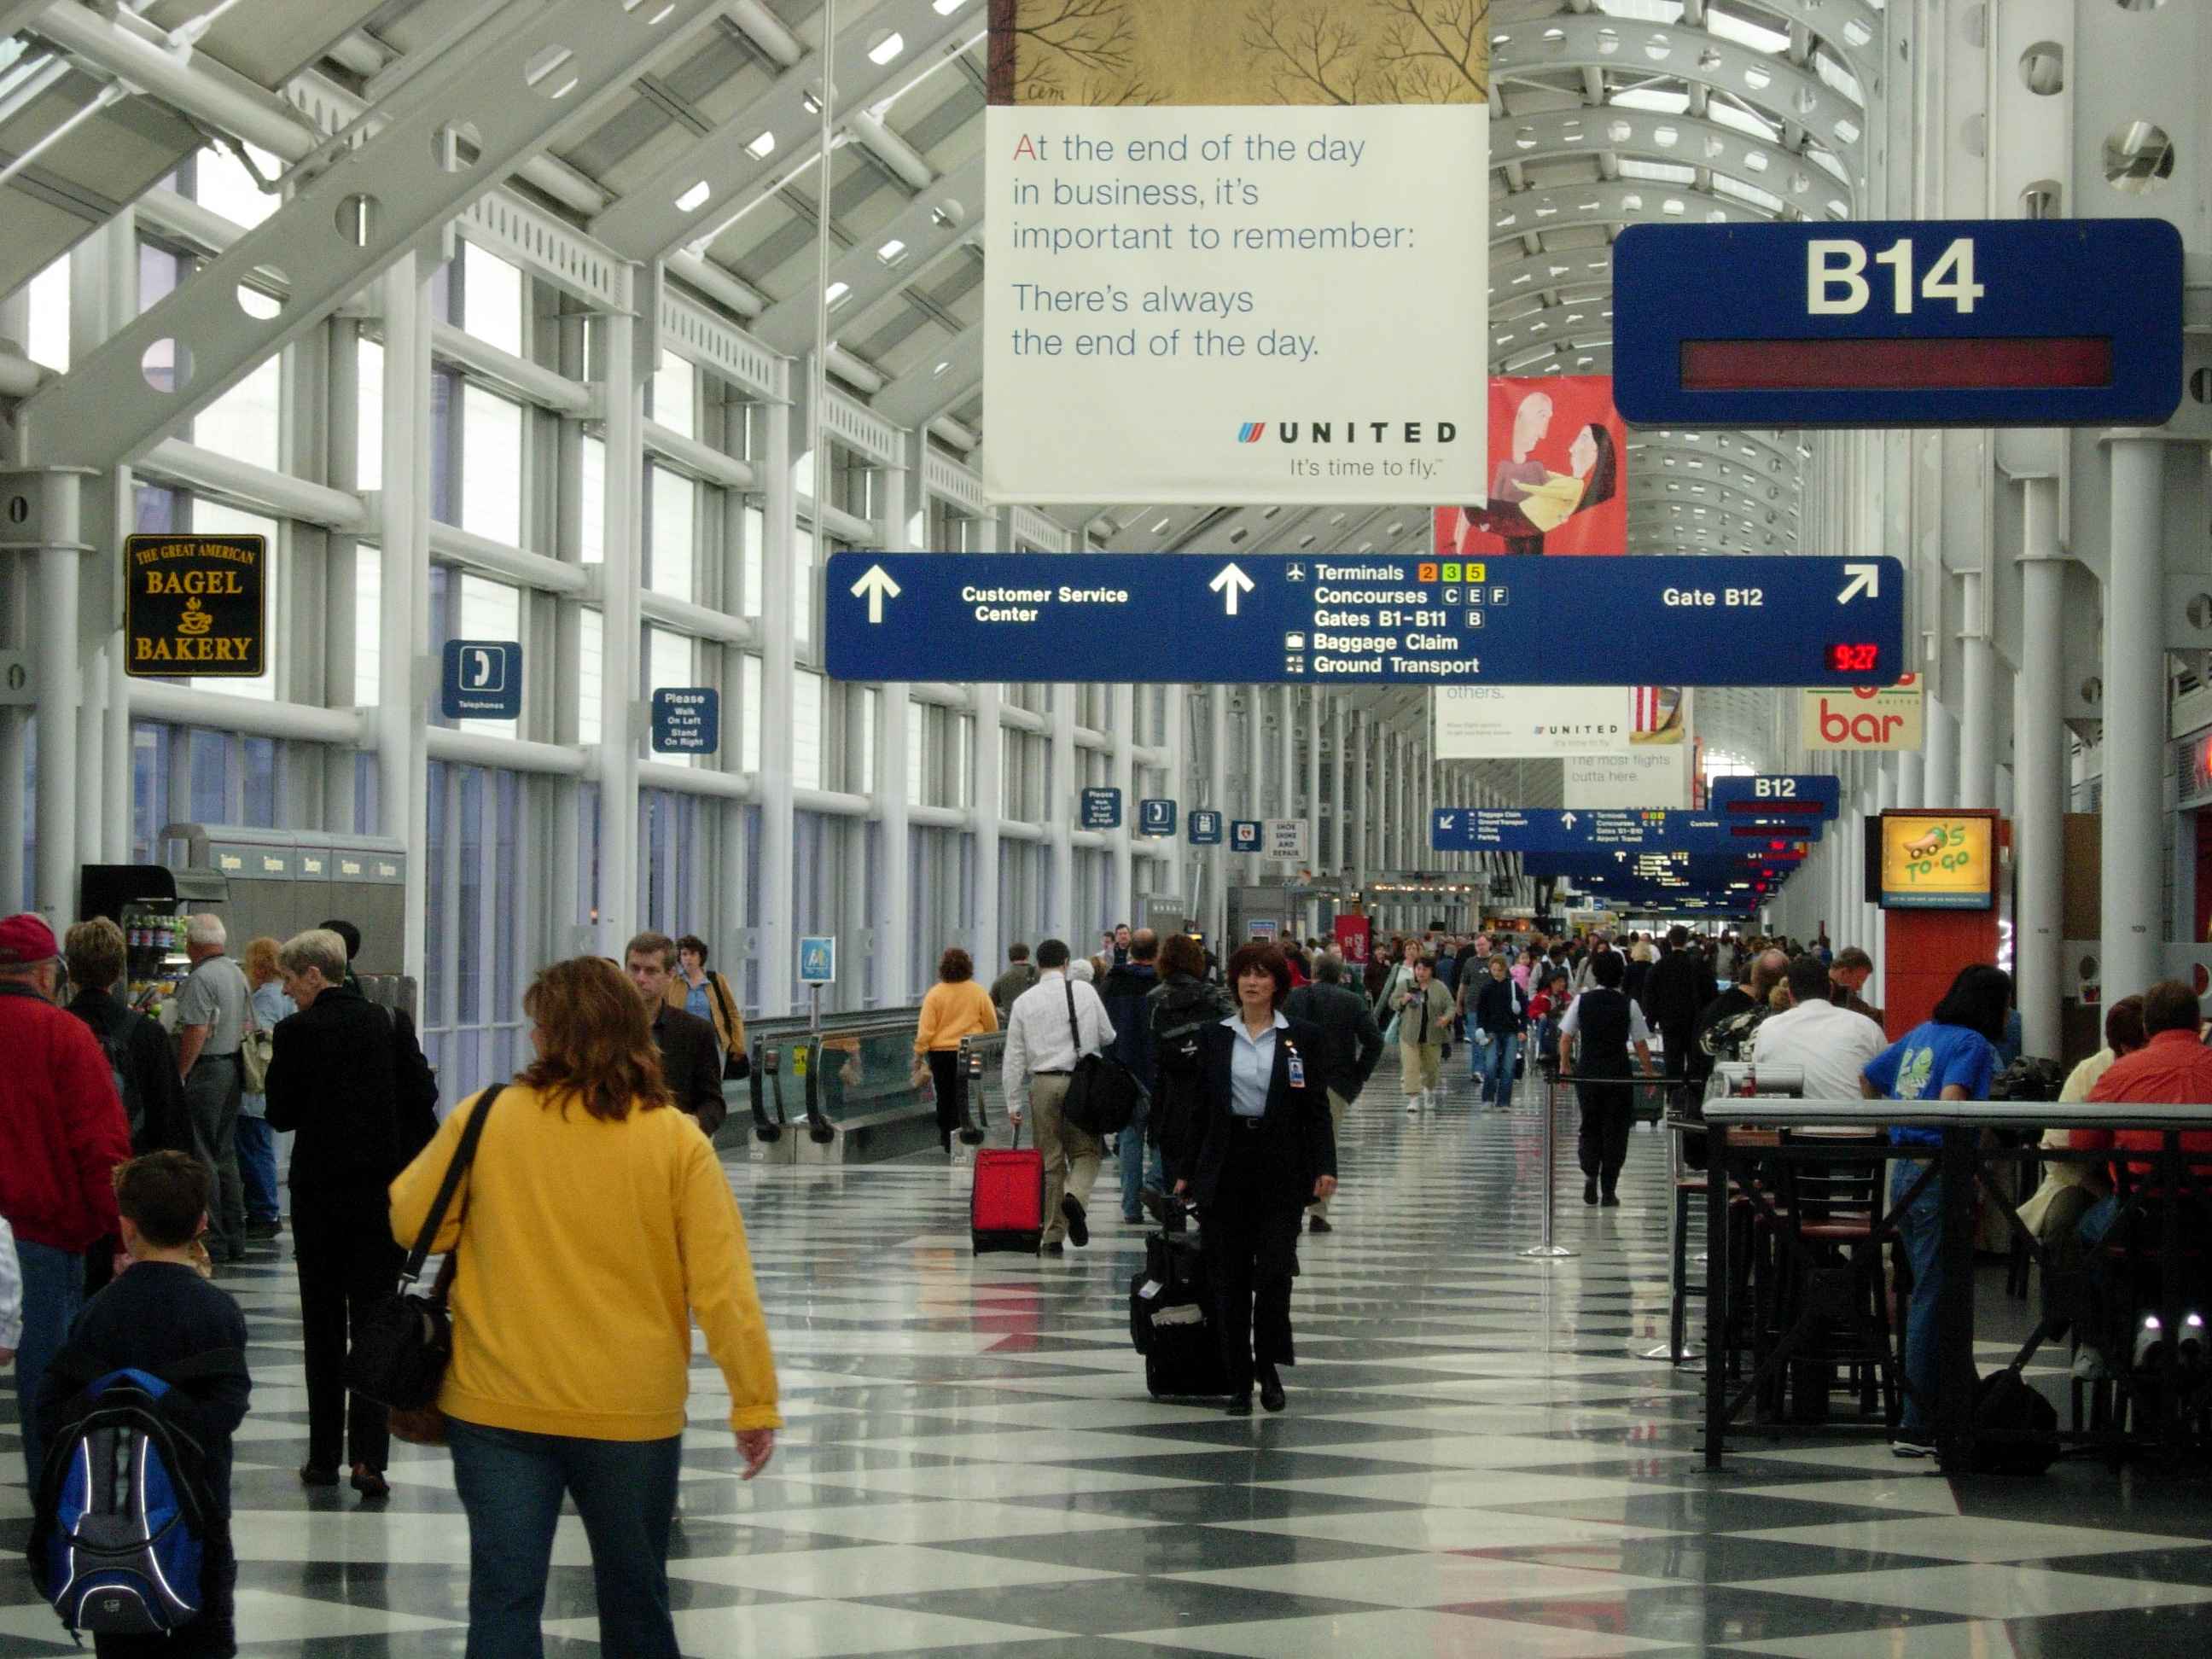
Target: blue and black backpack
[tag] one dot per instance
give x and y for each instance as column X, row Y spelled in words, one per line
column 124, row 1509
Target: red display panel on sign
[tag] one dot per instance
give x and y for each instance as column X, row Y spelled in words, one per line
column 1892, row 365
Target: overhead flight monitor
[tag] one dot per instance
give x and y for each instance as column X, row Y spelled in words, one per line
column 2031, row 322
column 1366, row 619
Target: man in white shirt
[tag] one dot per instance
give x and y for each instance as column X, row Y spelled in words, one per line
column 1830, row 1045
column 1051, row 1025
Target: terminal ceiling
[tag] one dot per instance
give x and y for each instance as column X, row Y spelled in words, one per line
column 1604, row 113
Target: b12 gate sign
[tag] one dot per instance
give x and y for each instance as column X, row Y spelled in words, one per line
column 1367, row 619
column 1779, row 798
column 2035, row 322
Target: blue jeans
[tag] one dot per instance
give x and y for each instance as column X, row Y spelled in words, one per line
column 1495, row 1065
column 257, row 1168
column 53, row 1291
column 1134, row 1160
column 1920, row 1228
column 511, row 1485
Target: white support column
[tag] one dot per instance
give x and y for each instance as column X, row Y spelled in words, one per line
column 1940, row 778
column 1911, row 778
column 1287, row 791
column 893, row 912
column 15, row 632
column 1175, row 705
column 622, row 577
column 1312, row 701
column 1251, row 868
column 2039, row 774
column 60, row 570
column 1338, row 859
column 1978, row 712
column 1061, row 917
column 1216, row 858
column 1121, row 732
column 775, row 927
column 403, row 592
column 2136, row 688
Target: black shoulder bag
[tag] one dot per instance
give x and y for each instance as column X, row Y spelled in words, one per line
column 1103, row 1094
column 737, row 1064
column 402, row 1347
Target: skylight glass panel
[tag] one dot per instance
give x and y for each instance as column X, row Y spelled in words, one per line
column 1744, row 31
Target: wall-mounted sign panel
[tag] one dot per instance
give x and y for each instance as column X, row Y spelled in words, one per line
column 1102, row 809
column 1937, row 860
column 1156, row 818
column 1206, row 828
column 482, row 680
column 1778, row 797
column 1864, row 718
column 194, row 605
column 687, row 720
column 2008, row 322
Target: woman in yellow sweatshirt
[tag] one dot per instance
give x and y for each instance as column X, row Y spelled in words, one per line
column 594, row 1227
column 955, row 1007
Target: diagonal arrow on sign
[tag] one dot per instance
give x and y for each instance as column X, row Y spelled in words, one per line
column 1864, row 579
column 1230, row 583
column 875, row 586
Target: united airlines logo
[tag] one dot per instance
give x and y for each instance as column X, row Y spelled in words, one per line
column 1251, row 431
column 1339, row 431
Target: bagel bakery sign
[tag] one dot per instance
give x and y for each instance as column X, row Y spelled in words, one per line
column 194, row 605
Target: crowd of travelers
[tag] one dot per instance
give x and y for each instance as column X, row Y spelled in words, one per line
column 138, row 1153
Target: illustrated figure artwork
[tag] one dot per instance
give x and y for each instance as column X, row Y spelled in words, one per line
column 1556, row 484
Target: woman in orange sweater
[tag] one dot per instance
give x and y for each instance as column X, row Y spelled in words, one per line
column 955, row 1007
column 594, row 1227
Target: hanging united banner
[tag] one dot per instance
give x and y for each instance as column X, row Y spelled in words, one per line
column 1559, row 456
column 1212, row 241
column 194, row 605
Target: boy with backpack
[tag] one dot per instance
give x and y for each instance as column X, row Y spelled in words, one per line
column 146, row 1564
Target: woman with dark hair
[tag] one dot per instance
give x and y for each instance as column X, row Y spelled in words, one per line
column 597, row 1227
column 955, row 1007
column 705, row 996
column 1180, row 1009
column 1951, row 1056
column 1269, row 1151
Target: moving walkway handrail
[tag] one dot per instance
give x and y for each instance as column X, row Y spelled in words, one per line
column 857, row 1030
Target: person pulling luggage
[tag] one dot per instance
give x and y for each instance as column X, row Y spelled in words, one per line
column 1269, row 1149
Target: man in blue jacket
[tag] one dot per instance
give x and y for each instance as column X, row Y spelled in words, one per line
column 1124, row 993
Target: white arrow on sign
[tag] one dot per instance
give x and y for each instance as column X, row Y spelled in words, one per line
column 1230, row 583
column 1445, row 820
column 1864, row 579
column 1566, row 820
column 876, row 587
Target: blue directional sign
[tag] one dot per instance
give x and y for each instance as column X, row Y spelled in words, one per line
column 1478, row 829
column 818, row 960
column 482, row 680
column 1156, row 818
column 1901, row 323
column 1245, row 835
column 687, row 720
column 1205, row 827
column 1102, row 809
column 1776, row 798
column 1367, row 619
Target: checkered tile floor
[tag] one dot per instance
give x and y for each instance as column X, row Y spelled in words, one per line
column 1475, row 1461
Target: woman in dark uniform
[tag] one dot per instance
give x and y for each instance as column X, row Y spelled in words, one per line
column 1595, row 1039
column 1269, row 1151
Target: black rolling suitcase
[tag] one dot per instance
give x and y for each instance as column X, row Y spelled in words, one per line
column 1172, row 1320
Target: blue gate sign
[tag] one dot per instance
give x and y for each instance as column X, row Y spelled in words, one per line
column 1572, row 829
column 1899, row 324
column 1778, row 798
column 1102, row 809
column 1205, row 827
column 818, row 960
column 1366, row 619
column 1156, row 818
column 482, row 680
column 687, row 720
column 1245, row 835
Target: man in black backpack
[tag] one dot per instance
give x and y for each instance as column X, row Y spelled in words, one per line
column 137, row 1048
column 1352, row 1047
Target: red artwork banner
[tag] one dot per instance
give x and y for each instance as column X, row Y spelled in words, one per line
column 1559, row 456
column 1352, row 937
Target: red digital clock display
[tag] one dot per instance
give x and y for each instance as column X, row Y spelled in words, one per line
column 1861, row 659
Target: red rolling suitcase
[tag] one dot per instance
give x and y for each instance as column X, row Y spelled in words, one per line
column 1006, row 1210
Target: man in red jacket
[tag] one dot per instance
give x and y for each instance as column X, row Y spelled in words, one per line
column 2173, row 1068
column 61, row 1133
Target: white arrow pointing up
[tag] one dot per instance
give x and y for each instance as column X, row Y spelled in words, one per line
column 1566, row 820
column 876, row 587
column 1864, row 579
column 1230, row 583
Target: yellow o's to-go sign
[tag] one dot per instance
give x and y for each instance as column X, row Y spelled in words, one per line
column 1938, row 860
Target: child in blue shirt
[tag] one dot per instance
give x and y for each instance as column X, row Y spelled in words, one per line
column 1952, row 1055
